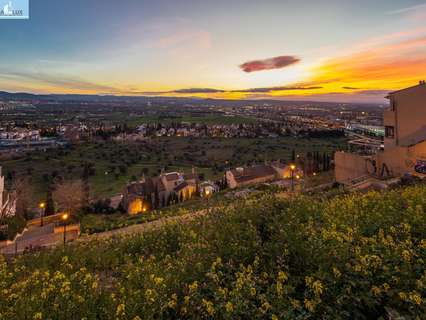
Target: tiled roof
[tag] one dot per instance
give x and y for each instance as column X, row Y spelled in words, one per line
column 409, row 88
column 172, row 176
column 181, row 186
column 147, row 187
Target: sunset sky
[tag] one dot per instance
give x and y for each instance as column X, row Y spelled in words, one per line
column 305, row 50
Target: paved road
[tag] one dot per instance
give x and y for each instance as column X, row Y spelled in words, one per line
column 41, row 241
column 52, row 240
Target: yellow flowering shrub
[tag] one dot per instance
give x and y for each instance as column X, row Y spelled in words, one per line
column 357, row 256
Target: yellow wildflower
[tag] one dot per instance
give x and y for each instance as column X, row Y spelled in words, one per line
column 265, row 307
column 279, row 288
column 406, row 255
column 295, row 303
column 229, row 307
column 158, row 280
column 38, row 316
column 415, row 298
column 310, row 305
column 376, row 290
column 193, row 286
column 209, row 306
column 282, row 276
column 120, row 309
column 317, row 287
column 336, row 272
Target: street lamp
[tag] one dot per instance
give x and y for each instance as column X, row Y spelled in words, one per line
column 42, row 206
column 292, row 168
column 65, row 218
column 207, row 194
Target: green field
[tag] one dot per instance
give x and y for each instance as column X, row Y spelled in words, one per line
column 116, row 163
column 203, row 119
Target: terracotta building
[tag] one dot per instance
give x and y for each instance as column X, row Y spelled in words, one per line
column 404, row 149
column 157, row 192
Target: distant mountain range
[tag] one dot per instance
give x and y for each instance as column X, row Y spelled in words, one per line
column 20, row 96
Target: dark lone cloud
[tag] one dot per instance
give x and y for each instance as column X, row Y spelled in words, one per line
column 269, row 64
column 270, row 89
column 351, row 88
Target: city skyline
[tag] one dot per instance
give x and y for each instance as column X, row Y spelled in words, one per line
column 322, row 50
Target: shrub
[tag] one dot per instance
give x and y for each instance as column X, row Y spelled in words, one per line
column 266, row 257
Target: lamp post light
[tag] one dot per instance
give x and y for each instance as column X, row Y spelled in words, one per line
column 42, row 206
column 207, row 194
column 65, row 217
column 292, row 168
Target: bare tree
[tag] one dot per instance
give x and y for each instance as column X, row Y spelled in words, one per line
column 18, row 200
column 69, row 195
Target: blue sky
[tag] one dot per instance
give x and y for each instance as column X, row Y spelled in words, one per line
column 158, row 47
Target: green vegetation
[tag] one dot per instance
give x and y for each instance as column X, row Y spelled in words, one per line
column 358, row 256
column 94, row 223
column 11, row 227
column 113, row 164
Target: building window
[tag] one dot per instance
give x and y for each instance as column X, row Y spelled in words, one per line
column 389, row 132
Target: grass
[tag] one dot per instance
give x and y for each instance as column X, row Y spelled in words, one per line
column 94, row 223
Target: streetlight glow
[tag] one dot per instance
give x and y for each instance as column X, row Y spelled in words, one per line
column 41, row 205
column 65, row 216
column 292, row 167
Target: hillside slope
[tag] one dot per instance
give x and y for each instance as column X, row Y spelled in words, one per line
column 348, row 257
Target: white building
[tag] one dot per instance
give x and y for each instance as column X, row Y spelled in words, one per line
column 7, row 203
